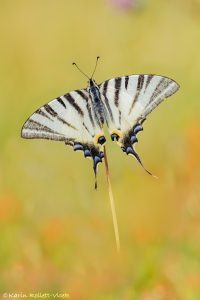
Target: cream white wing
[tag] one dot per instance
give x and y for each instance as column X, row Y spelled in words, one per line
column 71, row 119
column 128, row 100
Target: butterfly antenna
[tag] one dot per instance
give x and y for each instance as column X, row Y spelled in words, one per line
column 74, row 64
column 112, row 203
column 95, row 66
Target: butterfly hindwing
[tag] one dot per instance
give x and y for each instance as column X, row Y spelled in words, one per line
column 128, row 100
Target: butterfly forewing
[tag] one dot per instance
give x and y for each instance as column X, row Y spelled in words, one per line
column 134, row 96
column 65, row 117
column 68, row 118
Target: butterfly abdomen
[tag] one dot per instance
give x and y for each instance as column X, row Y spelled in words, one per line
column 97, row 103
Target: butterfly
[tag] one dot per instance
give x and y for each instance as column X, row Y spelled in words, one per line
column 122, row 103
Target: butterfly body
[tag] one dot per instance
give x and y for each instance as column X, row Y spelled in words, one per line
column 97, row 103
column 77, row 118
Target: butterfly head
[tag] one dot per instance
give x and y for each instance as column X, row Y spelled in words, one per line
column 92, row 85
column 91, row 82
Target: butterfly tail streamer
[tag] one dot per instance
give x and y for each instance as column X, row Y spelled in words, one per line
column 95, row 179
column 112, row 203
column 96, row 160
column 128, row 146
column 135, row 154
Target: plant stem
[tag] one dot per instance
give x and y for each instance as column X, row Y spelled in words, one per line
column 112, row 203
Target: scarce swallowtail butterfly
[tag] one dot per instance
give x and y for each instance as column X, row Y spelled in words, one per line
column 122, row 103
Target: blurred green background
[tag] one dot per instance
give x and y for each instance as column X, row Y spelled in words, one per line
column 56, row 231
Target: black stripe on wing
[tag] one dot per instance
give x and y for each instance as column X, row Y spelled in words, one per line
column 54, row 114
column 165, row 88
column 82, row 95
column 85, row 96
column 118, row 82
column 71, row 100
column 162, row 84
column 61, row 102
column 50, row 110
column 148, row 81
column 34, row 125
column 104, row 93
column 140, row 83
column 126, row 82
column 34, row 130
column 42, row 113
column 90, row 114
